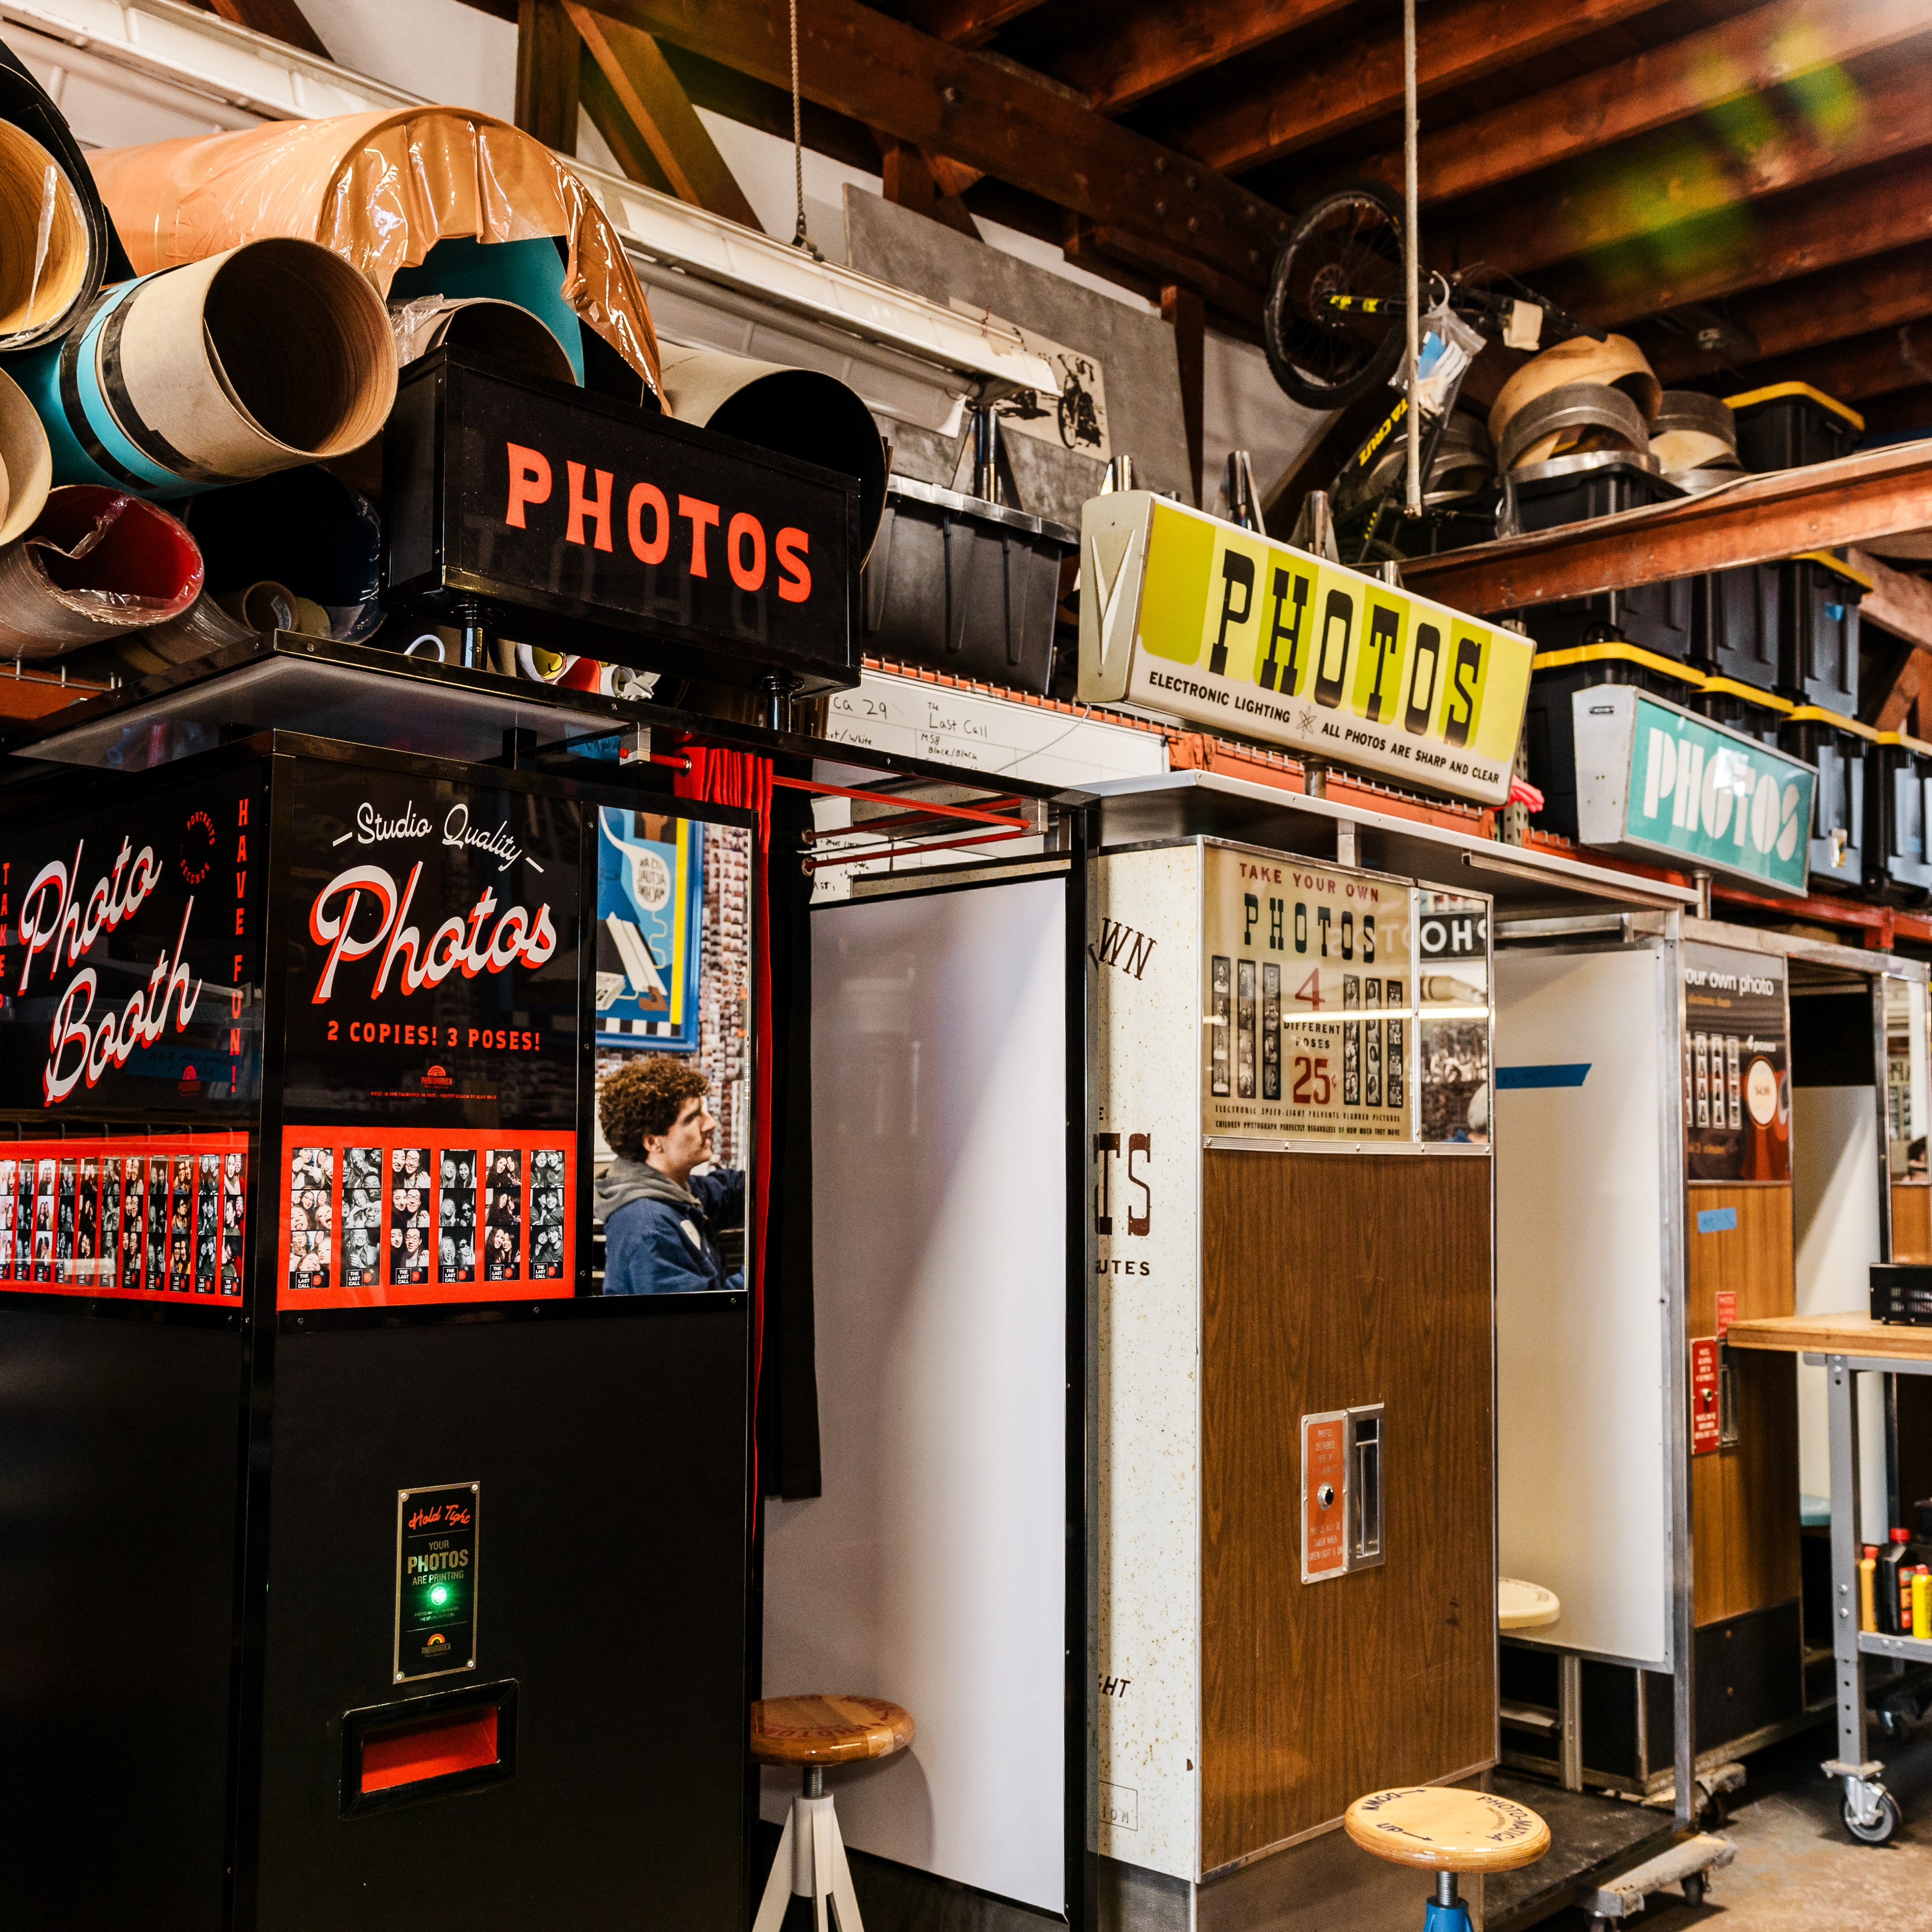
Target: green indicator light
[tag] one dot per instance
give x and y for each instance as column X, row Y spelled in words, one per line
column 440, row 1594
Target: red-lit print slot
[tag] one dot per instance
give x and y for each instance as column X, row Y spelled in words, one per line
column 372, row 1218
column 148, row 1217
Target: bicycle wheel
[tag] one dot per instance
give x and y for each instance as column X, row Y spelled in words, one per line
column 1349, row 243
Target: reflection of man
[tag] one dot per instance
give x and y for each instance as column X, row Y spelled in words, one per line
column 660, row 1222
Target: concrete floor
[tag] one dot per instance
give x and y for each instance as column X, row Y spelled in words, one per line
column 1797, row 1870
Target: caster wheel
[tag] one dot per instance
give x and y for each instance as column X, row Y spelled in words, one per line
column 1693, row 1889
column 1880, row 1828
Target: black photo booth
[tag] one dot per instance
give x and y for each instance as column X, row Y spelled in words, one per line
column 354, row 1574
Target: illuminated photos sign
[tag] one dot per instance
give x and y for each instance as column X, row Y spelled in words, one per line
column 1183, row 614
column 1658, row 782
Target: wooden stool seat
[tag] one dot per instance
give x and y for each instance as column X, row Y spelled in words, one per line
column 1446, row 1829
column 825, row 1730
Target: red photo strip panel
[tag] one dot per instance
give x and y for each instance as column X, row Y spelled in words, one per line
column 371, row 1218
column 148, row 1217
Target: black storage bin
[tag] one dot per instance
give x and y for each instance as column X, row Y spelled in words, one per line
column 1838, row 809
column 1818, row 630
column 1737, row 714
column 1791, row 424
column 960, row 585
column 1735, row 623
column 1654, row 616
column 1895, row 799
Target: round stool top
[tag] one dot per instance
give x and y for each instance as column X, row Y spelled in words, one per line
column 827, row 1730
column 1447, row 1829
column 1521, row 1606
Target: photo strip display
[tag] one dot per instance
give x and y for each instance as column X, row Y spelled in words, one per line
column 459, row 1215
column 159, row 1217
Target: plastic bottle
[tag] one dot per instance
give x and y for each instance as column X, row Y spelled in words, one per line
column 1893, row 1588
column 1868, row 1573
column 1921, row 1602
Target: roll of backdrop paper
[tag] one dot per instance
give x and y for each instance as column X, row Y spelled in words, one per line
column 96, row 564
column 26, row 463
column 275, row 354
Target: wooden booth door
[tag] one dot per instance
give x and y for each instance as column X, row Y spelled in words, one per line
column 1331, row 1281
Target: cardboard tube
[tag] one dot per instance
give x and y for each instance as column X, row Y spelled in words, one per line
column 503, row 330
column 792, row 412
column 97, row 562
column 199, row 631
column 26, row 462
column 272, row 355
column 45, row 248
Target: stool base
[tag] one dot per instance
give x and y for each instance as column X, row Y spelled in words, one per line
column 810, row 1864
column 1437, row 1917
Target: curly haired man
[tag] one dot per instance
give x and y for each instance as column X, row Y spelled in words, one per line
column 660, row 1223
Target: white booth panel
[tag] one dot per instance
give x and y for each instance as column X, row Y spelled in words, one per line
column 1583, row 1498
column 931, row 1571
column 1834, row 1185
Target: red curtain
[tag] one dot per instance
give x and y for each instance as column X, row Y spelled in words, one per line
column 719, row 777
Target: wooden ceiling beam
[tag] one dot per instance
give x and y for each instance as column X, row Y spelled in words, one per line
column 966, row 23
column 1887, row 291
column 638, row 80
column 1898, row 603
column 1852, row 499
column 1643, row 212
column 1859, row 368
column 1751, row 54
column 1024, row 129
column 1359, row 79
column 281, row 20
column 1154, row 48
column 909, row 182
column 550, row 58
column 1824, row 231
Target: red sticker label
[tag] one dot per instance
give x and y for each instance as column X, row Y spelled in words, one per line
column 1705, row 1423
column 1727, row 1310
column 1323, row 1463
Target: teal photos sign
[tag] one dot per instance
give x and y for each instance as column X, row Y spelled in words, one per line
column 1658, row 782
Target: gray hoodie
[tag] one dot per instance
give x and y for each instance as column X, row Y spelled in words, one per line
column 624, row 1181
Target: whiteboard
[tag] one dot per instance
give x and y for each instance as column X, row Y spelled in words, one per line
column 931, row 1571
column 1582, row 1480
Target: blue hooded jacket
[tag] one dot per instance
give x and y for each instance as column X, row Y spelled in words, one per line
column 662, row 1239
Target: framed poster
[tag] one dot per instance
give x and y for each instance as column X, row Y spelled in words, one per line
column 650, row 899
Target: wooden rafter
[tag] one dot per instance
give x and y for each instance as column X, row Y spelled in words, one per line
column 1355, row 81
column 909, row 183
column 1822, row 231
column 1154, row 47
column 966, row 23
column 1752, row 53
column 1655, row 197
column 282, row 20
column 637, row 80
column 1862, row 366
column 1852, row 499
column 1897, row 603
column 1020, row 128
column 1181, row 309
column 1887, row 291
column 549, row 57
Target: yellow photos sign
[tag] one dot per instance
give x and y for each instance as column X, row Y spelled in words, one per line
column 1184, row 615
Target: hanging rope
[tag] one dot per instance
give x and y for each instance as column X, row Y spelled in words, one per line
column 800, row 239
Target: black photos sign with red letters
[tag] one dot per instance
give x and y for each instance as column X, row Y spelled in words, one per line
column 596, row 529
column 130, row 953
column 432, row 958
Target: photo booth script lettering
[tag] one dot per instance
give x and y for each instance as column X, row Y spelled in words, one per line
column 655, row 533
column 129, row 953
column 432, row 952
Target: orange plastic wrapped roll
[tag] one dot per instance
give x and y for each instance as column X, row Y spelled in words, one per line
column 380, row 190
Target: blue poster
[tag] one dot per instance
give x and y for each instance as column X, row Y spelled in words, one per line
column 650, row 901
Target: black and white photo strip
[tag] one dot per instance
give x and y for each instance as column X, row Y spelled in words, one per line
column 107, row 1248
column 233, row 1197
column 546, row 1214
column 133, row 1218
column 207, row 1225
column 44, row 1220
column 411, row 1184
column 502, row 1215
column 64, row 1223
column 362, row 1216
column 311, row 1215
column 456, row 1237
column 180, row 1226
